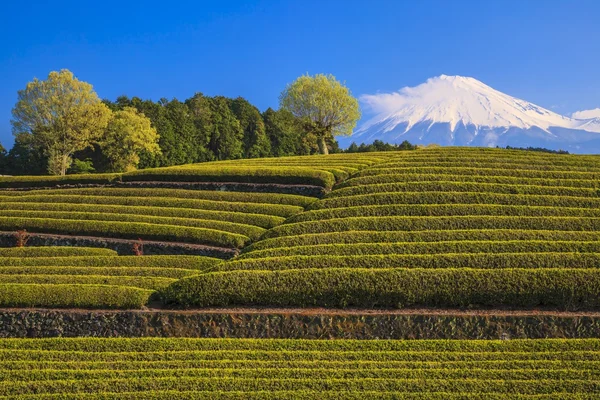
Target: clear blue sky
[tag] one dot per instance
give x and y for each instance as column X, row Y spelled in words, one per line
column 545, row 51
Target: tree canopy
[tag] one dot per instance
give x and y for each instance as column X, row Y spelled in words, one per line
column 325, row 106
column 61, row 116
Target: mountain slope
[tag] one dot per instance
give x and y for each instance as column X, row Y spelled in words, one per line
column 455, row 110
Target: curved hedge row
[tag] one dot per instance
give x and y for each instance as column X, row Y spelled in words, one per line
column 435, row 223
column 440, row 261
column 249, row 231
column 492, row 171
column 510, row 180
column 487, row 163
column 456, row 198
column 71, row 295
column 254, row 208
column 235, row 197
column 260, row 220
column 312, row 239
column 175, row 273
column 250, row 174
column 55, row 251
column 371, row 288
column 441, row 210
column 126, row 230
column 141, row 282
column 450, row 186
column 49, row 181
column 462, row 247
column 183, row 262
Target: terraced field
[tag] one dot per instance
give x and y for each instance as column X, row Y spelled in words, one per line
column 173, row 206
column 298, row 369
column 88, row 277
column 432, row 228
column 447, row 227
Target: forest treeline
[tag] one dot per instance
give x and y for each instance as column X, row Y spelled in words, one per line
column 199, row 129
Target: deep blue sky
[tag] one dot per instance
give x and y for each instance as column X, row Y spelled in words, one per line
column 544, row 51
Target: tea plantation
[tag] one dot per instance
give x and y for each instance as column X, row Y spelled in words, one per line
column 434, row 229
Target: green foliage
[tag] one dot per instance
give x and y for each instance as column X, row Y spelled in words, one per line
column 286, row 133
column 535, row 260
column 82, row 167
column 421, row 236
column 395, row 288
column 126, row 230
column 378, row 145
column 72, row 295
column 127, row 135
column 325, row 106
column 256, row 142
column 207, row 173
column 54, row 252
column 50, row 181
column 226, row 135
column 181, row 262
column 61, row 115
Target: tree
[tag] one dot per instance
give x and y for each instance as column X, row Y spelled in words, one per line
column 226, row 134
column 256, row 142
column 62, row 115
column 128, row 133
column 325, row 106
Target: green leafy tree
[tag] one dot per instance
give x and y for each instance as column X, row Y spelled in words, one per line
column 226, row 134
column 326, row 107
column 256, row 142
column 201, row 114
column 286, row 133
column 62, row 115
column 128, row 134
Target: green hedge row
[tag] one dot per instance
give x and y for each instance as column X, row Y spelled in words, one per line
column 481, row 172
column 242, row 355
column 236, row 197
column 499, row 158
column 491, row 163
column 419, row 236
column 463, row 246
column 300, row 373
column 307, row 395
column 253, row 232
column 175, row 273
column 183, row 262
column 125, row 230
column 260, row 220
column 49, row 181
column 22, row 367
column 317, row 386
column 396, row 288
column 442, row 210
column 434, row 348
column 450, row 186
column 70, row 295
column 510, row 180
column 280, row 210
column 435, row 223
column 248, row 174
column 142, row 282
column 51, row 251
column 456, row 198
column 535, row 260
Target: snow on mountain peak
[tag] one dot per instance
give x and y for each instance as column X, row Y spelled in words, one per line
column 457, row 100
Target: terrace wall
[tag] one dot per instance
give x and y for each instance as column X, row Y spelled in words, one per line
column 308, row 324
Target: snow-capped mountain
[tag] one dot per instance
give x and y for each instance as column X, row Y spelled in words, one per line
column 456, row 110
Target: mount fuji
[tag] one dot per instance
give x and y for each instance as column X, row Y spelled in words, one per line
column 462, row 111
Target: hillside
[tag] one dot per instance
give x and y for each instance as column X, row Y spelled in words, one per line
column 436, row 243
column 449, row 227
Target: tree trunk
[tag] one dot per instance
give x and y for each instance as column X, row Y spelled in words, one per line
column 323, row 145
